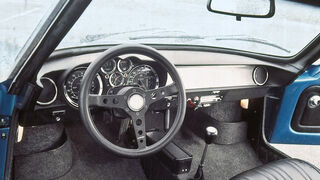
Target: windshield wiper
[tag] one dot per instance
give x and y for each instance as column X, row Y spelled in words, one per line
column 255, row 40
column 140, row 33
column 96, row 37
column 167, row 37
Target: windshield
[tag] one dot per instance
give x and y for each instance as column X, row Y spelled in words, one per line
column 18, row 19
column 188, row 22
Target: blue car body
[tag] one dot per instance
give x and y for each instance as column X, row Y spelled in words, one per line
column 7, row 104
column 283, row 132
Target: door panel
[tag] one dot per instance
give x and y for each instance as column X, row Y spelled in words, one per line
column 7, row 103
column 306, row 117
column 297, row 123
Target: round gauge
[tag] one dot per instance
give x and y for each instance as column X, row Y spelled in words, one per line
column 260, row 75
column 109, row 66
column 116, row 79
column 49, row 92
column 124, row 65
column 72, row 86
column 144, row 76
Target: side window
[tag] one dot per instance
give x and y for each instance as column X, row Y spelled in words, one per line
column 18, row 19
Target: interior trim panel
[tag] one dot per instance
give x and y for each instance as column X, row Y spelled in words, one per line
column 198, row 77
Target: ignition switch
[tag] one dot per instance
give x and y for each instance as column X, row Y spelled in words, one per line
column 58, row 115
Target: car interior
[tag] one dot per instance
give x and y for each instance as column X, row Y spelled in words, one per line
column 229, row 97
column 154, row 111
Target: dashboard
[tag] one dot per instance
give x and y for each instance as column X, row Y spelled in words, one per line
column 208, row 77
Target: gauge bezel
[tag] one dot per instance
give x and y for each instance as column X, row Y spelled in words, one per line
column 151, row 68
column 122, row 82
column 254, row 76
column 113, row 69
column 55, row 95
column 125, row 59
column 68, row 98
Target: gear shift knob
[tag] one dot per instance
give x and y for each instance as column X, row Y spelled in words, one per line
column 211, row 133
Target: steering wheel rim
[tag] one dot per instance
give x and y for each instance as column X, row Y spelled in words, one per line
column 86, row 100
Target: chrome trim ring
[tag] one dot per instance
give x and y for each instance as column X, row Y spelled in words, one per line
column 68, row 98
column 55, row 95
column 73, row 103
column 254, row 76
column 110, row 82
column 131, row 65
column 113, row 69
column 100, row 84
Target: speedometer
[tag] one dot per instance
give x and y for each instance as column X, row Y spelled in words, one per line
column 144, row 76
column 72, row 85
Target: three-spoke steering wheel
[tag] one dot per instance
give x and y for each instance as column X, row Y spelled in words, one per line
column 135, row 101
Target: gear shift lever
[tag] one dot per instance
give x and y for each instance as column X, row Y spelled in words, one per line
column 211, row 133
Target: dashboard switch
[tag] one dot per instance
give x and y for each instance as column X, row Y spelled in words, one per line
column 190, row 103
column 58, row 115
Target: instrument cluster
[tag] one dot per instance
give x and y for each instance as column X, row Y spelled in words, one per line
column 113, row 75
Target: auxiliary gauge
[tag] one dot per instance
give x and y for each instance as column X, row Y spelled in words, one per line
column 109, row 66
column 124, row 65
column 116, row 79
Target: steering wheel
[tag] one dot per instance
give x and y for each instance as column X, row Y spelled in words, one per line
column 135, row 101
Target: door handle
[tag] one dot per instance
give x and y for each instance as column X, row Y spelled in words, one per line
column 314, row 101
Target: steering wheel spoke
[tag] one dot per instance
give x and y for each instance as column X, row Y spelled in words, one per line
column 106, row 101
column 138, row 120
column 155, row 95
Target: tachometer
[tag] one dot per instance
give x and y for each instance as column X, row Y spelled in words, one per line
column 109, row 66
column 72, row 85
column 144, row 76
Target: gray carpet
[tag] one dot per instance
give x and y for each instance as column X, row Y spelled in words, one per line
column 44, row 165
column 91, row 161
column 222, row 161
column 38, row 139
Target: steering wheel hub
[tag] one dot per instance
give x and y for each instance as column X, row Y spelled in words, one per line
column 136, row 102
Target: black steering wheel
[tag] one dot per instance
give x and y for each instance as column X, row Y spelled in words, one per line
column 135, row 101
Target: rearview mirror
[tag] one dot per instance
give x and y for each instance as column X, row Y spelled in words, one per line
column 243, row 8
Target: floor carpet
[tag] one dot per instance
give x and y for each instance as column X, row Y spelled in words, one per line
column 222, row 161
column 91, row 161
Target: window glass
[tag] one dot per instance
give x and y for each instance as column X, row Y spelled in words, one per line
column 18, row 19
column 188, row 22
